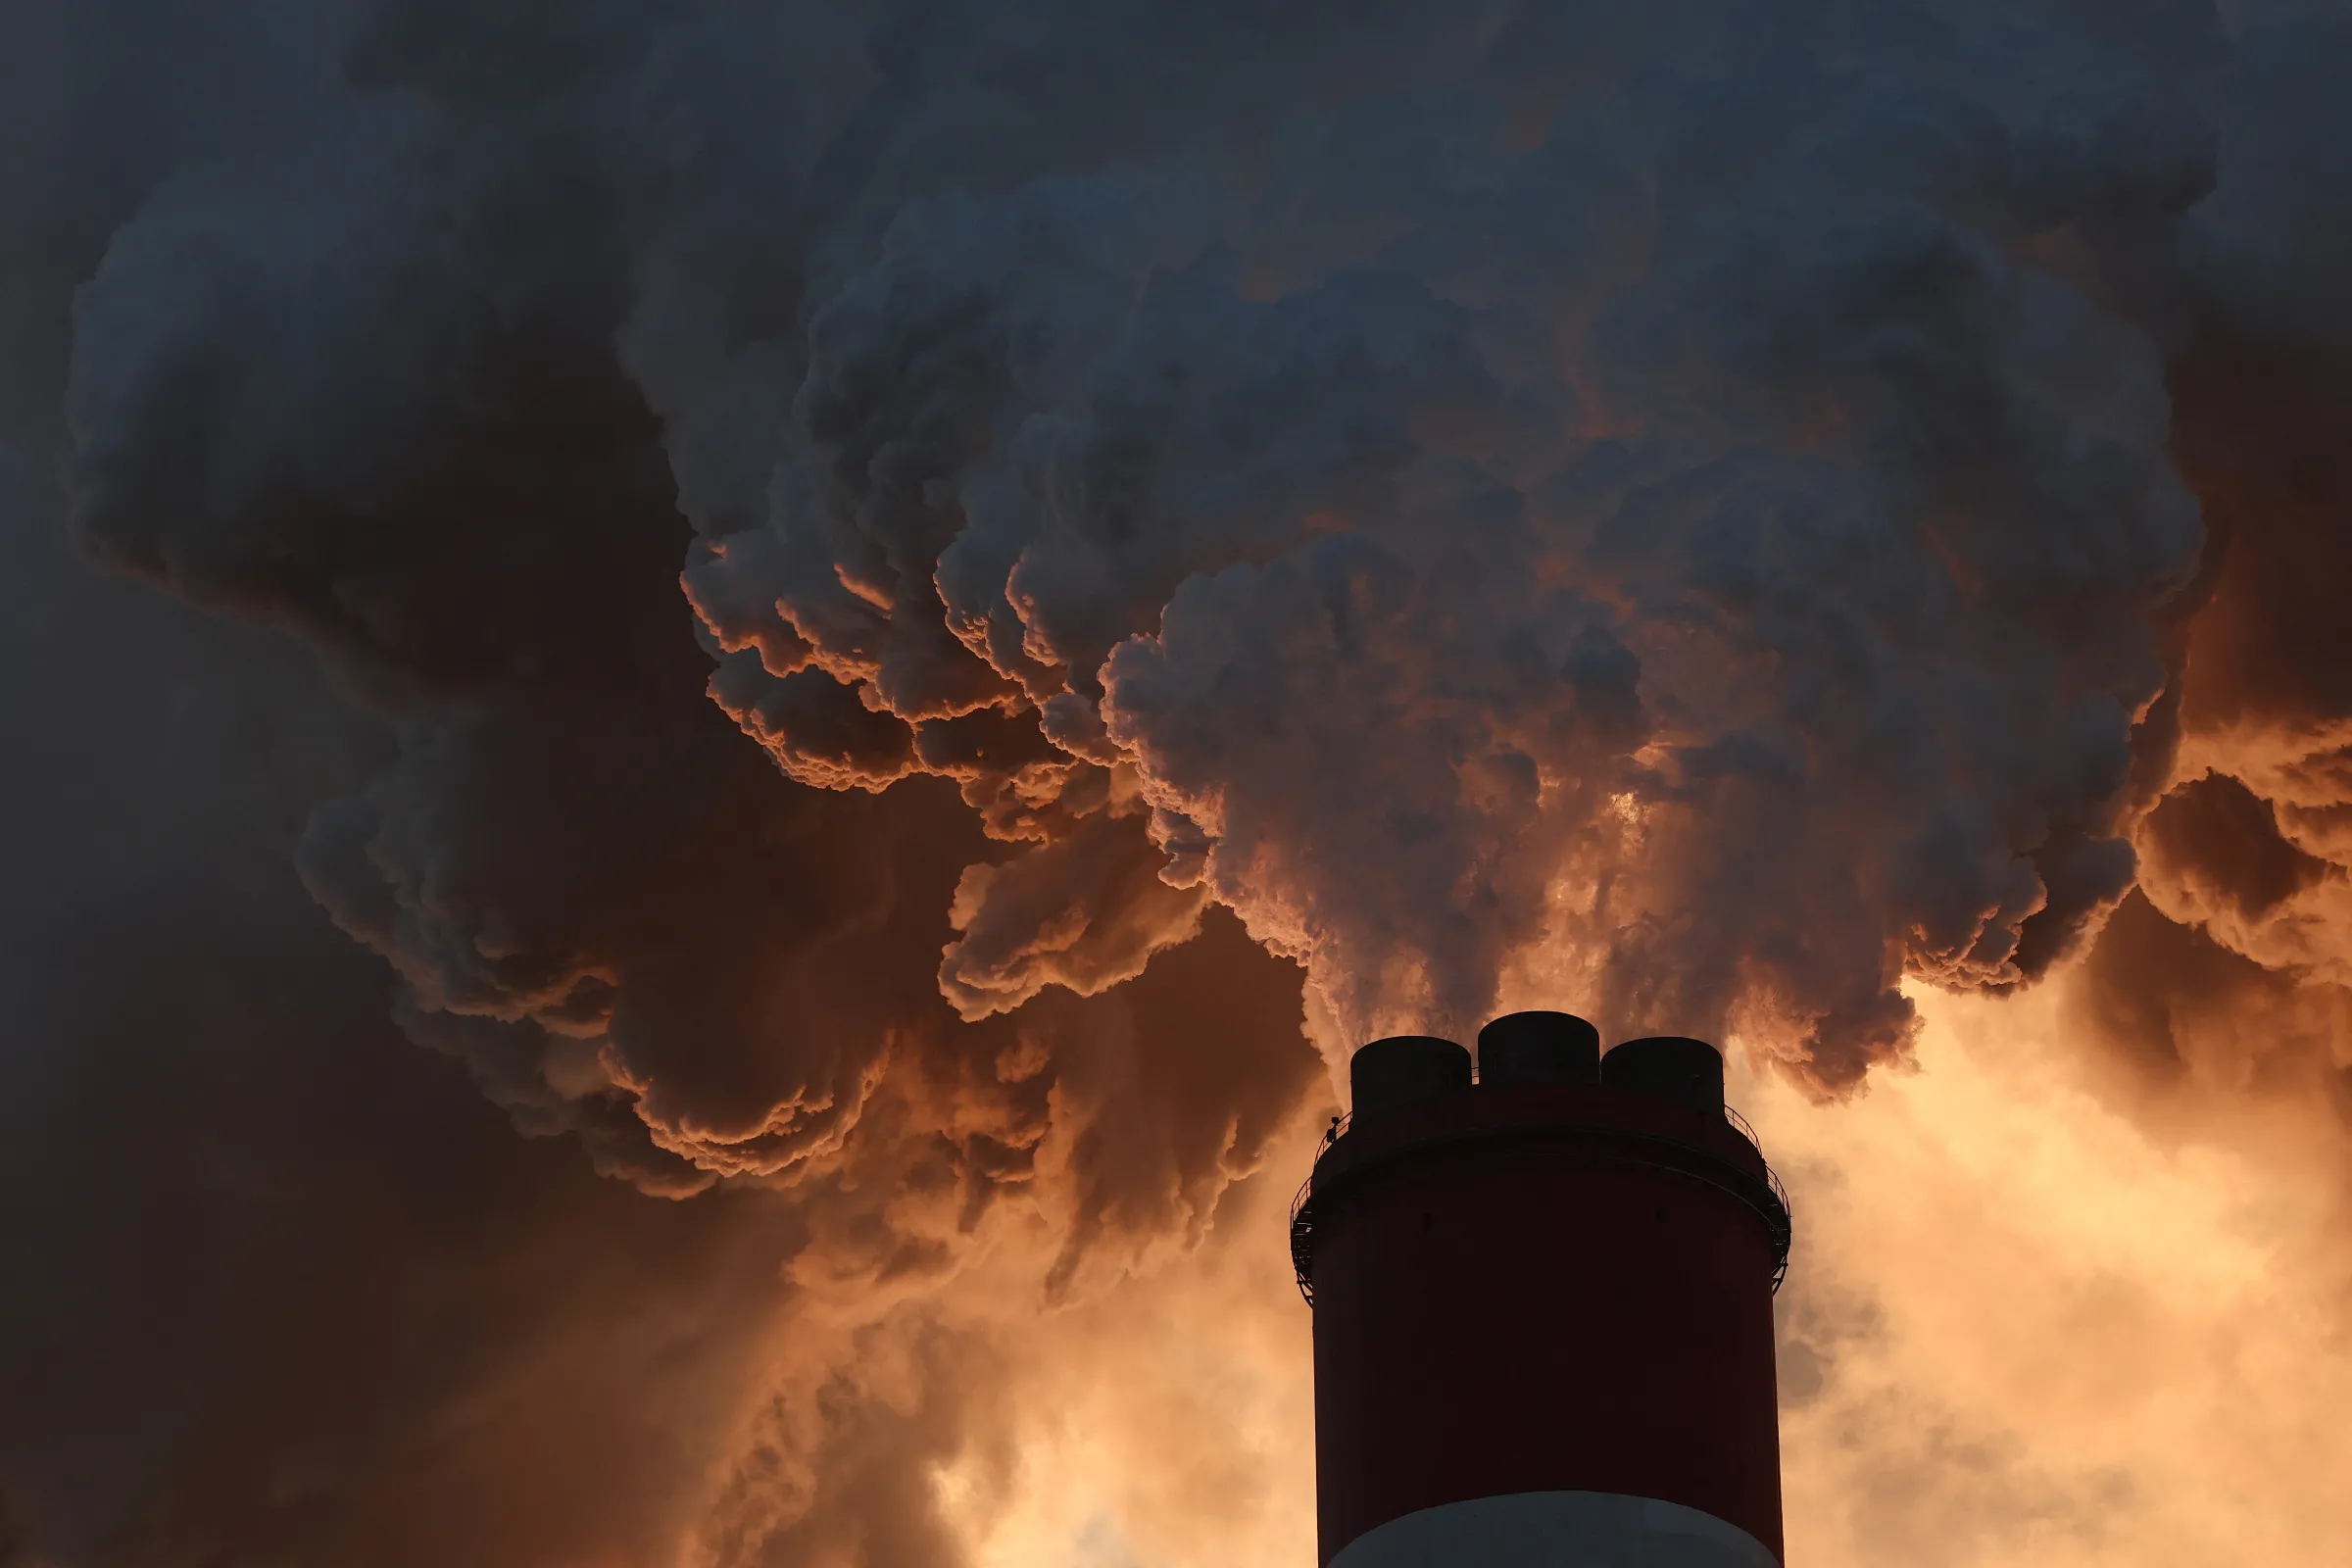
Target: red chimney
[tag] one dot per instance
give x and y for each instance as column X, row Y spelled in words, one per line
column 1543, row 1308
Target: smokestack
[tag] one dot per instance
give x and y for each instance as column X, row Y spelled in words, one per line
column 1543, row 1308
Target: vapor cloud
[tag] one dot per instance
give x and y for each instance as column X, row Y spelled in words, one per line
column 1544, row 487
column 863, row 608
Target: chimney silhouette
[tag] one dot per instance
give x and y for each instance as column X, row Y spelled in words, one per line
column 1542, row 1306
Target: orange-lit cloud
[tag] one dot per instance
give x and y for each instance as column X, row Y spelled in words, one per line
column 2022, row 1330
column 1727, row 518
column 2025, row 1329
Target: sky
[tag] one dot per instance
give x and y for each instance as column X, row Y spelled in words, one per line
column 727, row 712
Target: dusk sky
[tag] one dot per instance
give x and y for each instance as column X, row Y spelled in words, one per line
column 728, row 709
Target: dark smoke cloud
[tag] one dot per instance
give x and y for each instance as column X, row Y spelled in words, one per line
column 1535, row 486
column 2226, row 977
column 302, row 1299
column 842, row 541
column 283, row 1289
column 1721, row 528
column 390, row 430
column 289, row 1292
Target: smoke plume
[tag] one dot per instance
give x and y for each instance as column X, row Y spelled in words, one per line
column 865, row 605
column 1526, row 487
column 1519, row 487
column 2223, row 978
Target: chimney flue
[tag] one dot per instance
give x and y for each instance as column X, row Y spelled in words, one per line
column 1539, row 1048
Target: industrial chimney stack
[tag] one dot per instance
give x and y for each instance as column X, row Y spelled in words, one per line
column 1543, row 1308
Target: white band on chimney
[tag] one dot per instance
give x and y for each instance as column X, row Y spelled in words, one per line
column 1556, row 1530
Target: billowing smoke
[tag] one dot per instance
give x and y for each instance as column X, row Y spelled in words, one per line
column 2226, row 973
column 1526, row 489
column 848, row 543
column 343, row 368
column 1539, row 484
